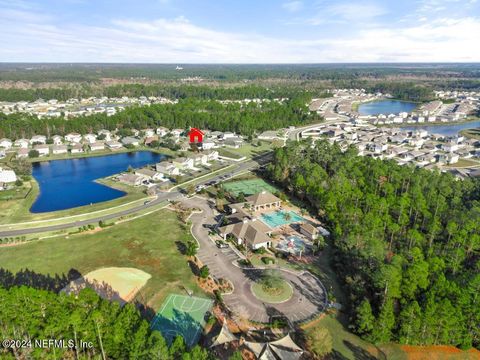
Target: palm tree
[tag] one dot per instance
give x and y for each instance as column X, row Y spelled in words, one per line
column 287, row 216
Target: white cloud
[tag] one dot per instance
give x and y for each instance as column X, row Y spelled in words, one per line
column 293, row 6
column 34, row 37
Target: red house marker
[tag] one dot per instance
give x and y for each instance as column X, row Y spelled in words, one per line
column 196, row 135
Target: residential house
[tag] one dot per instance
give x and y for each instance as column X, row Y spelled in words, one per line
column 130, row 141
column 57, row 140
column 233, row 142
column 212, row 155
column 167, row 168
column 149, row 174
column 176, row 132
column 162, row 131
column 7, row 176
column 90, row 138
column 131, row 179
column 96, row 146
column 38, row 139
column 22, row 153
column 73, row 138
column 199, row 159
column 22, row 143
column 106, row 134
column 6, row 143
column 183, row 163
column 149, row 132
column 43, row 150
column 113, row 145
column 77, row 149
column 3, row 154
column 208, row 144
column 59, row 149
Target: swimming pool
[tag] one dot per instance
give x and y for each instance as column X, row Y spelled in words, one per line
column 279, row 218
column 292, row 244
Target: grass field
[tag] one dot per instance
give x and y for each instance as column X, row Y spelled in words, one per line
column 148, row 243
column 248, row 186
column 182, row 315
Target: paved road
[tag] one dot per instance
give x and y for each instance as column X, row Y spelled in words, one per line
column 295, row 133
column 161, row 197
column 308, row 296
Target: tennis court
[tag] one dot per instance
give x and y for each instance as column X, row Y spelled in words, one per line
column 182, row 315
column 248, row 187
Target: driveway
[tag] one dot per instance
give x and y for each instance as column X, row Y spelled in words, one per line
column 308, row 298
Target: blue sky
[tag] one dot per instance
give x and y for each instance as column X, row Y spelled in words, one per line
column 239, row 31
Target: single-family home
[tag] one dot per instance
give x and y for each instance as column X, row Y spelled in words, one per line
column 149, row 174
column 90, row 138
column 38, row 139
column 57, row 140
column 96, row 146
column 22, row 153
column 105, row 134
column 176, row 132
column 7, row 176
column 59, row 149
column 76, row 149
column 149, row 132
column 6, row 143
column 208, row 144
column 450, row 147
column 130, row 141
column 43, row 150
column 233, row 142
column 21, row 143
column 212, row 155
column 130, row 179
column 199, row 159
column 167, row 168
column 227, row 135
column 183, row 163
column 162, row 131
column 73, row 137
column 113, row 145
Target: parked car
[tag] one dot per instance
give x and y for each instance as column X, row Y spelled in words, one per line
column 221, row 244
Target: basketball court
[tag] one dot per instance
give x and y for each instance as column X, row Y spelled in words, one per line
column 182, row 315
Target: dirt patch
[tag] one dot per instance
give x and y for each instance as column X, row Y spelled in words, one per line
column 439, row 352
column 113, row 283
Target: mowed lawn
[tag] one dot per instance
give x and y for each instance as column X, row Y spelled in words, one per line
column 148, row 243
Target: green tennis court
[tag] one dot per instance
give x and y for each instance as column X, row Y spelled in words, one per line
column 182, row 315
column 248, row 187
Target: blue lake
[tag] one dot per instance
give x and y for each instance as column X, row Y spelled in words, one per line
column 386, row 107
column 66, row 184
column 446, row 130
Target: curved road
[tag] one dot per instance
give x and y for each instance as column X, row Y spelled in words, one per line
column 309, row 297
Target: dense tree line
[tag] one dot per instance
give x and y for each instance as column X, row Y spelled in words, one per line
column 406, row 241
column 171, row 91
column 231, row 72
column 205, row 114
column 118, row 332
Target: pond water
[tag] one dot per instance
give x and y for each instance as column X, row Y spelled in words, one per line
column 66, row 184
column 386, row 107
column 446, row 130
